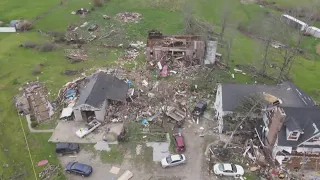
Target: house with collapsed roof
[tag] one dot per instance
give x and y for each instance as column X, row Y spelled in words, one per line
column 187, row 49
column 289, row 131
column 99, row 90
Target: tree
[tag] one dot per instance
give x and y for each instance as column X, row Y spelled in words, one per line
column 224, row 22
column 246, row 110
column 228, row 49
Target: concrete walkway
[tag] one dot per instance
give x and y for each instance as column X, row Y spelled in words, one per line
column 35, row 130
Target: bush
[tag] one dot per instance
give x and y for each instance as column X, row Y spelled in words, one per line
column 37, row 69
column 34, row 124
column 97, row 3
column 47, row 47
column 29, row 44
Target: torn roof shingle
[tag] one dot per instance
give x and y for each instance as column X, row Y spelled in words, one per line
column 102, row 86
column 290, row 95
column 306, row 119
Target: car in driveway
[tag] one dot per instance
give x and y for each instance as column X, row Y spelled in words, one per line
column 173, row 160
column 226, row 169
column 78, row 169
column 67, row 148
column 179, row 142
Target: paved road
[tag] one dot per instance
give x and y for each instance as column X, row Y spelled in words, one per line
column 35, row 130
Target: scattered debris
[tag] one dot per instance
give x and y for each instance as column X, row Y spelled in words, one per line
column 138, row 149
column 277, row 45
column 130, row 55
column 84, row 24
column 81, row 11
column 129, row 17
column 93, row 27
column 75, row 55
column 49, row 171
column 106, row 17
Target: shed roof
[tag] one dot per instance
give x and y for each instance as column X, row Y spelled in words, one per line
column 102, row 86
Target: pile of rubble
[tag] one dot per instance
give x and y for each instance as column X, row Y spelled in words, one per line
column 49, row 172
column 129, row 17
column 33, row 100
column 130, row 55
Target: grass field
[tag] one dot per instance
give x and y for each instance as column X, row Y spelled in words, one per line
column 17, row 63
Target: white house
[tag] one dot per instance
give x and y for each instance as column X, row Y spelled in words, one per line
column 228, row 96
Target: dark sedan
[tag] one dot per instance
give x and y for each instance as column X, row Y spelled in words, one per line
column 79, row 169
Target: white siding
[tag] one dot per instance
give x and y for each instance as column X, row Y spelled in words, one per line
column 101, row 114
column 309, row 150
column 77, row 115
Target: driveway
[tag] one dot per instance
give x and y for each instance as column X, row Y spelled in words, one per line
column 194, row 169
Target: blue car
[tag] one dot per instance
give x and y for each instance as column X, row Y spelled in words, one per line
column 79, row 169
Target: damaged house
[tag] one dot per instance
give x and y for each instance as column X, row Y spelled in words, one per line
column 181, row 50
column 291, row 136
column 228, row 96
column 100, row 89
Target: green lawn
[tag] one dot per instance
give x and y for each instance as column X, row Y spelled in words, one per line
column 17, row 63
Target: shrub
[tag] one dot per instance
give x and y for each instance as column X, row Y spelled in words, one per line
column 47, row 47
column 29, row 44
column 34, row 124
column 97, row 3
column 37, row 69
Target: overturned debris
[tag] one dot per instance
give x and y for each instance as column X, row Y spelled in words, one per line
column 129, row 17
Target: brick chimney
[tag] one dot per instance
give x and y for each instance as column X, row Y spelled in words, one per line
column 276, row 122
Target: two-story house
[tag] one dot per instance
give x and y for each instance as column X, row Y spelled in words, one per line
column 228, row 96
column 291, row 136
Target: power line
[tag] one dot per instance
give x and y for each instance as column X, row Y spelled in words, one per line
column 25, row 138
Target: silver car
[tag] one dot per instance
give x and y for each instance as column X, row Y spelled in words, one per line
column 173, row 160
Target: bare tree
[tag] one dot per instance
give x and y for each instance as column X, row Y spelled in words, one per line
column 224, row 22
column 228, row 49
column 246, row 111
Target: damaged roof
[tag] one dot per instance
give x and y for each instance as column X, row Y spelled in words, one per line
column 289, row 94
column 102, row 86
column 306, row 120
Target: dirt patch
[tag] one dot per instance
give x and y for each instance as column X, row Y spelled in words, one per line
column 318, row 49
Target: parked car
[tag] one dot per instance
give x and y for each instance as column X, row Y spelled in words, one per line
column 224, row 169
column 67, row 148
column 179, row 142
column 78, row 169
column 173, row 160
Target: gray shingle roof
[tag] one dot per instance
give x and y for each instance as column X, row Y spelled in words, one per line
column 290, row 95
column 306, row 119
column 102, row 86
